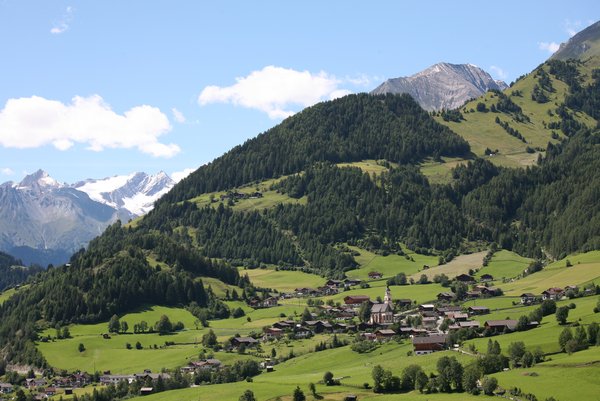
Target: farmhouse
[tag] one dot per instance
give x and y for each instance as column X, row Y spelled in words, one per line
column 486, row 277
column 115, row 379
column 356, row 300
column 247, row 341
column 426, row 308
column 478, row 310
column 429, row 344
column 384, row 334
column 500, row 325
column 443, row 310
column 272, row 333
column 6, row 388
column 349, row 282
column 554, row 293
column 445, row 296
column 375, row 275
column 404, row 302
column 469, row 324
column 527, row 298
column 464, row 278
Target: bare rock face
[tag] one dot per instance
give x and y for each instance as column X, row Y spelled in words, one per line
column 443, row 85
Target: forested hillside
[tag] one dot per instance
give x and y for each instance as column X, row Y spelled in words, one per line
column 13, row 272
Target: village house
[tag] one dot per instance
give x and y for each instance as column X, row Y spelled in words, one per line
column 478, row 310
column 473, row 294
column 429, row 344
column 147, row 374
column 383, row 313
column 6, row 388
column 443, row 310
column 528, row 298
column 469, row 324
column 445, row 296
column 350, row 282
column 430, row 322
column 498, row 326
column 355, row 301
column 204, row 364
column 284, row 324
column 115, row 379
column 403, row 303
column 554, row 293
column 383, row 335
column 35, row 383
column 426, row 308
column 457, row 316
column 369, row 336
column 272, row 333
column 246, row 341
column 464, row 278
column 302, row 332
column 486, row 278
column 375, row 275
column 334, row 283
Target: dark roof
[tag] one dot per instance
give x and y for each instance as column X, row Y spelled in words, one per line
column 380, row 308
column 527, row 295
column 479, row 308
column 510, row 323
column 435, row 339
column 248, row 340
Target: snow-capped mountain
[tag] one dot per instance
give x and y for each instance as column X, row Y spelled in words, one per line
column 134, row 193
column 44, row 221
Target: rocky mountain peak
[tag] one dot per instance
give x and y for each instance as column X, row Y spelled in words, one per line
column 39, row 180
column 443, row 85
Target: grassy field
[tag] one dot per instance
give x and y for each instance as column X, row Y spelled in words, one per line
column 368, row 166
column 438, row 172
column 545, row 336
column 505, row 264
column 585, row 269
column 389, row 265
column 9, row 293
column 459, row 265
column 282, row 280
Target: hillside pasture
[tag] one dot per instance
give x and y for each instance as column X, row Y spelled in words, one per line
column 459, row 265
column 505, row 264
column 282, row 280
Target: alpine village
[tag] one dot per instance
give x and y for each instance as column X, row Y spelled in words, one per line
column 362, row 249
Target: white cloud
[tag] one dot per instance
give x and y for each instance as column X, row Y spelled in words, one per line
column 180, row 175
column 178, row 115
column 7, row 171
column 572, row 27
column 550, row 47
column 275, row 90
column 35, row 121
column 499, row 72
column 63, row 25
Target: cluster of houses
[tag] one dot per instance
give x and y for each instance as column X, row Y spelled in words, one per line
column 108, row 378
column 45, row 389
column 554, row 293
column 234, row 195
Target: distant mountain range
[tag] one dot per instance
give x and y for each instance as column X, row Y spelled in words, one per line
column 443, row 85
column 43, row 221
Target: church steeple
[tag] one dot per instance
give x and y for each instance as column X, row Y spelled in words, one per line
column 387, row 299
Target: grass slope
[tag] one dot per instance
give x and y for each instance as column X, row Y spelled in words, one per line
column 282, row 280
column 459, row 265
column 389, row 265
column 505, row 264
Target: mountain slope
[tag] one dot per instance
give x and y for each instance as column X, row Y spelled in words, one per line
column 583, row 45
column 443, row 85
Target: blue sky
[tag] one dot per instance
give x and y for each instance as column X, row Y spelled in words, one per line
column 99, row 88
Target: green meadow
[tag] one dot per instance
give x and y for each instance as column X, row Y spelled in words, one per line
column 505, row 264
column 282, row 280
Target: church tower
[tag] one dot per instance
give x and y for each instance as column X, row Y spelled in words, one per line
column 387, row 299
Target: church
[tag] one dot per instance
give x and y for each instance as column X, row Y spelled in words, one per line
column 383, row 313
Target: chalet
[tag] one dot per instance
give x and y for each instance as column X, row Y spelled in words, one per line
column 486, row 278
column 302, row 332
column 375, row 275
column 50, row 391
column 473, row 294
column 204, row 364
column 6, row 388
column 269, row 302
column 284, row 324
column 384, row 334
column 364, row 326
column 350, row 282
column 426, row 308
column 115, row 379
column 306, row 292
column 528, row 298
column 554, row 293
column 464, row 278
column 246, row 341
column 327, row 290
column 272, row 333
column 443, row 310
column 34, row 383
column 404, row 302
column 148, row 375
column 491, row 291
column 429, row 344
column 469, row 324
column 411, row 331
column 334, row 283
column 369, row 336
column 430, row 322
column 445, row 296
column 478, row 310
column 501, row 325
column 319, row 326
column 356, row 300
column 457, row 316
